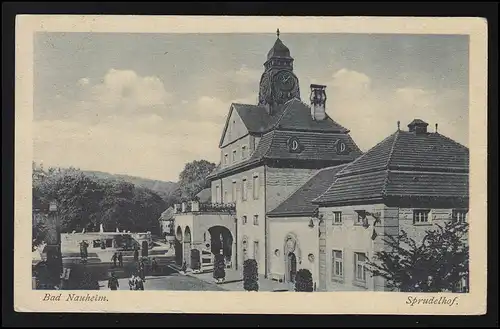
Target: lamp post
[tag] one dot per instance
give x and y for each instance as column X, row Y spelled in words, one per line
column 54, row 257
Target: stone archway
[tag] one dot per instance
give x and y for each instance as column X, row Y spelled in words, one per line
column 187, row 246
column 293, row 256
column 221, row 241
column 178, row 246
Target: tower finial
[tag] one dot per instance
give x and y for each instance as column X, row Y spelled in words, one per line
column 399, row 123
column 278, row 33
column 436, row 127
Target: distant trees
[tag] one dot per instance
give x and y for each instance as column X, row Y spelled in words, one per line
column 85, row 201
column 436, row 264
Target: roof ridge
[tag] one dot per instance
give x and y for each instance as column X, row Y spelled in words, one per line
column 389, row 158
column 451, row 140
column 270, row 143
column 287, row 106
column 364, row 154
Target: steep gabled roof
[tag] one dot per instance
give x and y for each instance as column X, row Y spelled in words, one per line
column 300, row 202
column 405, row 164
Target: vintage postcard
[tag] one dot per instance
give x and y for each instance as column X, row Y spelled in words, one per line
column 282, row 165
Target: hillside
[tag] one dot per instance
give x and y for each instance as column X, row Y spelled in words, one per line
column 163, row 188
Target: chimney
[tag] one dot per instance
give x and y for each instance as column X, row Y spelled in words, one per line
column 418, row 126
column 318, row 102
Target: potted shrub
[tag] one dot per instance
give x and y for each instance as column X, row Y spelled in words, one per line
column 195, row 260
column 219, row 271
column 303, row 281
column 250, row 275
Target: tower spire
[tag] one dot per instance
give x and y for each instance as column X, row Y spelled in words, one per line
column 278, row 33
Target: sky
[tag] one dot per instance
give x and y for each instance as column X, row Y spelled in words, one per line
column 146, row 104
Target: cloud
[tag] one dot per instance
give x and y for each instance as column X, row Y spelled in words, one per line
column 371, row 111
column 83, row 81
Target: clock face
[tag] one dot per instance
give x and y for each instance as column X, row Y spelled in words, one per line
column 285, row 80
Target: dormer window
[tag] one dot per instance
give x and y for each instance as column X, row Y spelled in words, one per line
column 294, row 145
column 340, row 147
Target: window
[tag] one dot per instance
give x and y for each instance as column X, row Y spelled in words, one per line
column 244, row 189
column 337, row 264
column 361, row 217
column 255, row 219
column 337, row 217
column 360, row 267
column 256, row 188
column 225, row 197
column 217, row 194
column 233, row 192
column 234, row 155
column 459, row 215
column 225, row 159
column 243, row 152
column 256, row 251
column 420, row 216
column 244, row 220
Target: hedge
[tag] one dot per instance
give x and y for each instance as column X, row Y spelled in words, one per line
column 303, row 280
column 250, row 275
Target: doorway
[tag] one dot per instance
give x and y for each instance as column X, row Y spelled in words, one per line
column 292, row 267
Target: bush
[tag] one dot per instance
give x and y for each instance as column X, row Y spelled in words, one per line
column 219, row 271
column 303, row 280
column 195, row 259
column 250, row 275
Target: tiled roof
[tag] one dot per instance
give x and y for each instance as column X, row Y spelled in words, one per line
column 403, row 149
column 205, row 195
column 297, row 116
column 293, row 115
column 279, row 50
column 314, row 147
column 405, row 164
column 300, row 202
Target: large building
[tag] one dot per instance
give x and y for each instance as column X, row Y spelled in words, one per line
column 267, row 151
column 292, row 190
column 410, row 181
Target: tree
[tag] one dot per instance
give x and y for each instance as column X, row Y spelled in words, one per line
column 250, row 275
column 303, row 281
column 437, row 263
column 219, row 264
column 192, row 179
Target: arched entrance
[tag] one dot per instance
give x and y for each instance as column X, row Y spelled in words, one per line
column 292, row 257
column 178, row 246
column 221, row 242
column 187, row 246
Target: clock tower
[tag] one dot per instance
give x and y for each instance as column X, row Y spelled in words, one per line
column 278, row 83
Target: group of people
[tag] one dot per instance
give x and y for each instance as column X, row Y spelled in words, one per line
column 136, row 282
column 117, row 257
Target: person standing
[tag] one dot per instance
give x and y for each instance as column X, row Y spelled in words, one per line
column 136, row 255
column 139, row 284
column 113, row 283
column 154, row 265
column 120, row 259
column 114, row 259
column 132, row 281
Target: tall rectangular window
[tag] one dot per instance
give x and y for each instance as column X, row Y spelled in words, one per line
column 420, row 216
column 225, row 197
column 243, row 152
column 337, row 217
column 337, row 265
column 244, row 220
column 225, row 159
column 256, row 187
column 360, row 266
column 256, row 251
column 233, row 191
column 255, row 219
column 360, row 220
column 217, row 194
column 244, row 189
column 459, row 215
column 234, row 156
